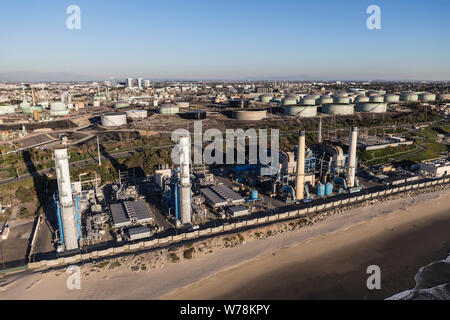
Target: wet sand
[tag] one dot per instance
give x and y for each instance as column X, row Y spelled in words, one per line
column 334, row 266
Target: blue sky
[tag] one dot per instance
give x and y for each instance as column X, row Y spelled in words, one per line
column 233, row 39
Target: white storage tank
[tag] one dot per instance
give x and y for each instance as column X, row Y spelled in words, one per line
column 169, row 108
column 341, row 100
column 361, row 98
column 289, row 101
column 426, row 96
column 376, row 99
column 301, row 111
column 58, row 109
column 182, row 104
column 114, row 119
column 309, row 100
column 9, row 109
column 338, row 109
column 325, row 99
column 409, row 96
column 391, row 98
column 444, row 97
column 373, row 107
column 136, row 114
column 250, row 115
column 265, row 98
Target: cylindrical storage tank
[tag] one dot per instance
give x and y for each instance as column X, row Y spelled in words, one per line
column 362, row 98
column 341, row 99
column 391, row 98
column 249, row 115
column 265, row 98
column 136, row 114
column 320, row 190
column 277, row 100
column 114, row 119
column 373, row 107
column 325, row 99
column 289, row 101
column 338, row 109
column 120, row 105
column 7, row 109
column 238, row 103
column 194, row 114
column 376, row 99
column 409, row 96
column 301, row 111
column 58, row 109
column 254, row 195
column 168, row 108
column 328, row 188
column 182, row 104
column 444, row 97
column 309, row 100
column 426, row 96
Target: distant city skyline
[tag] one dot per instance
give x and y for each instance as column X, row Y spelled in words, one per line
column 232, row 40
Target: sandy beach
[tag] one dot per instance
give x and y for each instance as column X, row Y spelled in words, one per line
column 326, row 260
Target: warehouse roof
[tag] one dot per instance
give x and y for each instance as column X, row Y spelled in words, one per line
column 125, row 213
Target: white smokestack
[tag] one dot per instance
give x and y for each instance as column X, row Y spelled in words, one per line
column 300, row 181
column 69, row 222
column 185, row 183
column 352, row 157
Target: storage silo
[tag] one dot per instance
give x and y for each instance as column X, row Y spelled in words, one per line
column 341, row 99
column 277, row 100
column 426, row 96
column 300, row 111
column 338, row 109
column 320, row 189
column 250, row 115
column 114, row 119
column 409, row 96
column 328, row 188
column 361, row 99
column 376, row 99
column 136, row 114
column 325, row 99
column 289, row 101
column 309, row 100
column 265, row 98
column 444, row 97
column 391, row 98
column 168, row 108
column 58, row 109
column 372, row 107
column 182, row 104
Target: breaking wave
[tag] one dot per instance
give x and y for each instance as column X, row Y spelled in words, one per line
column 432, row 283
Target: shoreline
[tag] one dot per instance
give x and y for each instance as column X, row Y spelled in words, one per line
column 173, row 280
column 343, row 279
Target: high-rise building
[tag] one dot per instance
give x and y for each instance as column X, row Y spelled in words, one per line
column 130, row 83
column 140, row 82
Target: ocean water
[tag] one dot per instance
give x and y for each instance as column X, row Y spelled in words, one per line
column 432, row 283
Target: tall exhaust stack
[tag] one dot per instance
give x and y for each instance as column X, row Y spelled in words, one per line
column 185, row 181
column 352, row 157
column 66, row 208
column 300, row 181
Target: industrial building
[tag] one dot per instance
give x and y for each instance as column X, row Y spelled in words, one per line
column 128, row 213
column 435, row 169
column 221, row 196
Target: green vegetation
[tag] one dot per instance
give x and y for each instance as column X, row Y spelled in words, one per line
column 188, row 254
column 173, row 258
column 374, row 157
column 427, row 139
column 25, row 195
